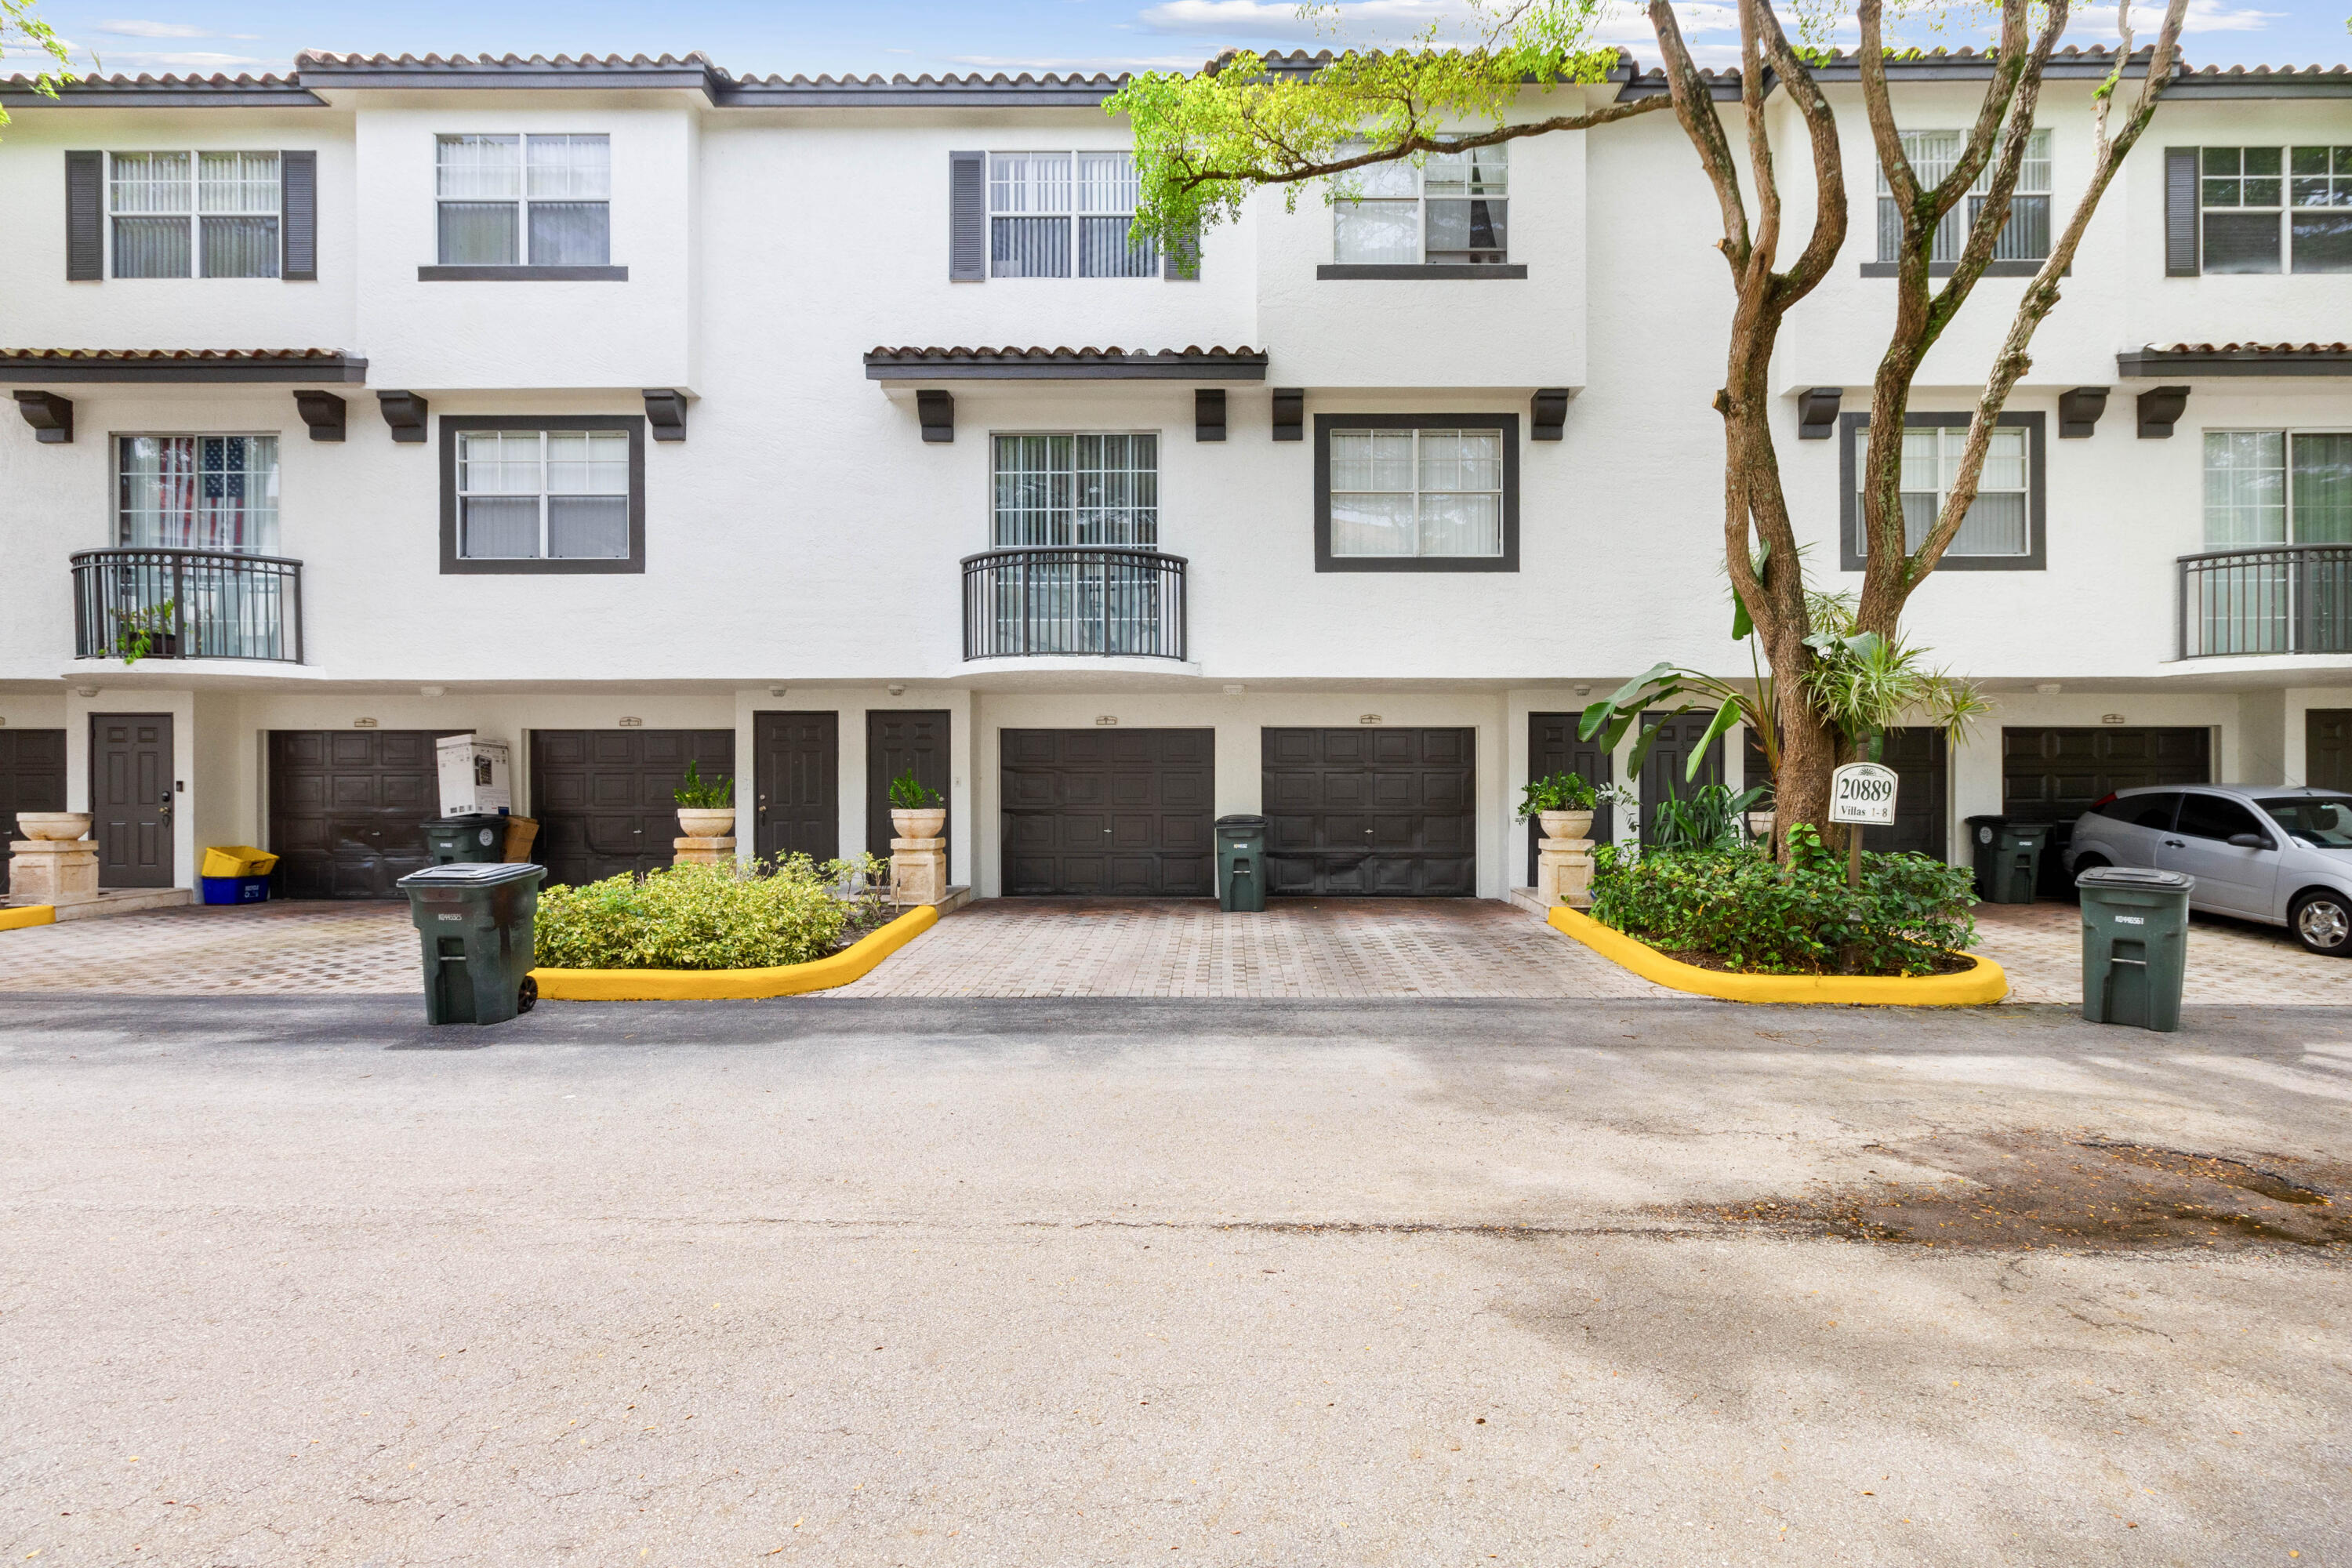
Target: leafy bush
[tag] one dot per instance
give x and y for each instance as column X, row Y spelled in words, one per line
column 726, row 916
column 1557, row 791
column 908, row 793
column 1739, row 908
column 1711, row 818
column 695, row 794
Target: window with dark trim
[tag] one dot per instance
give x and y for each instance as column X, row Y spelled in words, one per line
column 1416, row 492
column 2003, row 530
column 2023, row 244
column 524, row 494
column 523, row 206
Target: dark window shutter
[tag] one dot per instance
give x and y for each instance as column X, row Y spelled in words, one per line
column 297, row 227
column 85, row 217
column 2180, row 212
column 1180, row 261
column 967, row 216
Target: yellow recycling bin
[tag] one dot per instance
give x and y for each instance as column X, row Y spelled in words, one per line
column 238, row 860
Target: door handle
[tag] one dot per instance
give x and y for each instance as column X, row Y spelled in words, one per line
column 2174, row 843
column 763, row 809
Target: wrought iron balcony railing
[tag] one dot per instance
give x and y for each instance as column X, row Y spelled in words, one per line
column 2270, row 598
column 1112, row 603
column 186, row 604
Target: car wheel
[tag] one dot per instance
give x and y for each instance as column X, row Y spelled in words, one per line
column 2323, row 923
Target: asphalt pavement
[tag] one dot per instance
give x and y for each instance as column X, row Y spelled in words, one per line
column 1521, row 1283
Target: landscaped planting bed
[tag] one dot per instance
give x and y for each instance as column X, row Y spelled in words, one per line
column 761, row 915
column 1734, row 910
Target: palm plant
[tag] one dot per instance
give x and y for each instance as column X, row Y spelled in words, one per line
column 1863, row 682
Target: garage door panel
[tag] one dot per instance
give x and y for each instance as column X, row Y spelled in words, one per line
column 2056, row 775
column 1383, row 812
column 348, row 809
column 604, row 797
column 1105, row 813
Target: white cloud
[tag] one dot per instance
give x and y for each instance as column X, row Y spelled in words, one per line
column 136, row 60
column 1354, row 20
column 2096, row 23
column 136, row 30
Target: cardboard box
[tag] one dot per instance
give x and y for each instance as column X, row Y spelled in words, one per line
column 474, row 778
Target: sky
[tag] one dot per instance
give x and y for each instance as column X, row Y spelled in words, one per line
column 915, row 36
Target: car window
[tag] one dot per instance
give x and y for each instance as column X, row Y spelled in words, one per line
column 2142, row 810
column 2214, row 817
column 2324, row 822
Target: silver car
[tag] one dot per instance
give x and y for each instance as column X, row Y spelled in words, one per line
column 2260, row 852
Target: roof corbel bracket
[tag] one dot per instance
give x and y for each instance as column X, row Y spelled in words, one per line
column 50, row 417
column 2160, row 407
column 666, row 413
column 405, row 413
column 935, row 409
column 1817, row 411
column 2079, row 411
column 1290, row 414
column 1548, row 414
column 324, row 413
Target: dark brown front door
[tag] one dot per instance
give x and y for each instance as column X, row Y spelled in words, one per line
column 1553, row 748
column 1387, row 812
column 130, row 797
column 348, row 809
column 606, row 799
column 1664, row 772
column 895, row 740
column 1916, row 752
column 796, row 774
column 2327, row 748
column 1114, row 813
column 32, row 778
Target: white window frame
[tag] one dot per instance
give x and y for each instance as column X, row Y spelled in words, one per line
column 522, row 200
column 1350, row 192
column 2283, row 211
column 1140, row 518
column 193, row 213
column 1143, row 260
column 545, row 494
column 1932, row 154
column 2288, row 435
column 269, row 513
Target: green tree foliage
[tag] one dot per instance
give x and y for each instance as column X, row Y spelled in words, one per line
column 24, row 33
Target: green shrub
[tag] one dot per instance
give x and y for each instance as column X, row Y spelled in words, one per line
column 693, row 917
column 1740, row 908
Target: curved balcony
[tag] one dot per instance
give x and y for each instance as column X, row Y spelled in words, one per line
column 186, row 604
column 1118, row 604
column 2266, row 599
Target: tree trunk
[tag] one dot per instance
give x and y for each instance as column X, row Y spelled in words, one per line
column 1807, row 748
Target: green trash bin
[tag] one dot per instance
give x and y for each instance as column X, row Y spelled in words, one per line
column 1241, row 864
column 474, row 925
column 465, row 840
column 2007, row 856
column 2134, row 944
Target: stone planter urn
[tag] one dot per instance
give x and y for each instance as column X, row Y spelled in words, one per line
column 1760, row 824
column 53, row 826
column 1566, row 824
column 706, row 822
column 921, row 822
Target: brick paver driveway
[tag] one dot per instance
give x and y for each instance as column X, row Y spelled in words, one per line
column 1045, row 947
column 2041, row 946
column 1301, row 947
column 295, row 949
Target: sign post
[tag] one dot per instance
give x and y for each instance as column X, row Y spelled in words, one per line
column 1862, row 795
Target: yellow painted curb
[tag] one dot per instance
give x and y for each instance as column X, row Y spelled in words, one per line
column 736, row 984
column 1970, row 988
column 30, row 915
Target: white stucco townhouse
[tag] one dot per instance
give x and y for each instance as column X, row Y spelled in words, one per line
column 636, row 413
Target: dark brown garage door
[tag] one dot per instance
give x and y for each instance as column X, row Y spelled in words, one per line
column 1113, row 812
column 1376, row 811
column 2053, row 776
column 605, row 798
column 32, row 778
column 347, row 810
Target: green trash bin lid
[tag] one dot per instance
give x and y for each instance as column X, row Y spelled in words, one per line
column 2139, row 879
column 475, row 874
